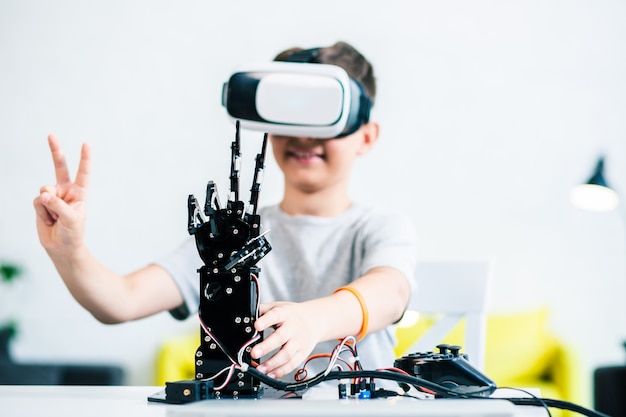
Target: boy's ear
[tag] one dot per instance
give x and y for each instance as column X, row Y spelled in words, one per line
column 370, row 132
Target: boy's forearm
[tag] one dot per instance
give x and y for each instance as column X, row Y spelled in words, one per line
column 385, row 294
column 89, row 282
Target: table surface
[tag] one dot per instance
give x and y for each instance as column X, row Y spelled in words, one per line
column 118, row 401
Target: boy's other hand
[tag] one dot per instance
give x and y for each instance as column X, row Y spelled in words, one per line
column 60, row 207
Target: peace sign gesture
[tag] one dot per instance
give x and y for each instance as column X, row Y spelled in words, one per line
column 60, row 208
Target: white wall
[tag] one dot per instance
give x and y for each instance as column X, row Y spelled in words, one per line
column 491, row 111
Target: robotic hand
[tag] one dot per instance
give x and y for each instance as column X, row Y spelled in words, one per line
column 230, row 244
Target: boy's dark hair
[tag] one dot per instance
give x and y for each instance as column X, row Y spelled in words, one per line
column 341, row 54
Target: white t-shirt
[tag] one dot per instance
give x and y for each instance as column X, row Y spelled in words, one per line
column 313, row 256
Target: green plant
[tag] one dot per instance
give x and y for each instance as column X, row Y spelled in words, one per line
column 9, row 273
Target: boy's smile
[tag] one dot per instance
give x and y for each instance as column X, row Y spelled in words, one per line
column 306, row 163
column 305, row 155
column 300, row 152
column 320, row 165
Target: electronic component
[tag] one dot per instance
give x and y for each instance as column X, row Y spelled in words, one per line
column 187, row 391
column 229, row 242
column 448, row 368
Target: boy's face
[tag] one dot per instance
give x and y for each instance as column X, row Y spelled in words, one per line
column 312, row 165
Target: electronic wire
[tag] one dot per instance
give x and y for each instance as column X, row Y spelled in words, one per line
column 231, row 371
column 440, row 390
column 543, row 404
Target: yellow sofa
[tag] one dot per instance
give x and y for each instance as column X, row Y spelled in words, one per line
column 521, row 352
column 175, row 359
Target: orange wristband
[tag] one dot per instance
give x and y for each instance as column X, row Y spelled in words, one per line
column 364, row 310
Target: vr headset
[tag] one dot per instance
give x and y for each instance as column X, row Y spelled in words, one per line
column 296, row 99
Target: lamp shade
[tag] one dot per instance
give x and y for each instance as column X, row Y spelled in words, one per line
column 595, row 194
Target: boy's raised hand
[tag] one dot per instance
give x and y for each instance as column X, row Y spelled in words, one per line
column 60, row 207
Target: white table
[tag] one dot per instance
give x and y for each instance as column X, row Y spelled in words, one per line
column 119, row 401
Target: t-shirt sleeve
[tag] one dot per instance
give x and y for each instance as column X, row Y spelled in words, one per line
column 391, row 241
column 183, row 264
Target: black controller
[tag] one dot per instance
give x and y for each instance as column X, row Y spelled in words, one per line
column 448, row 368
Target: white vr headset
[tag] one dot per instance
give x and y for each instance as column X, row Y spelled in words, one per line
column 296, row 99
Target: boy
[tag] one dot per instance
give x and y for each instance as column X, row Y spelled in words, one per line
column 337, row 268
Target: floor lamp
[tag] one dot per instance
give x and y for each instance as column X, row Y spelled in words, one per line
column 609, row 383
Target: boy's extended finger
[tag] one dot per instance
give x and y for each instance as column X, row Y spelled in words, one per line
column 270, row 317
column 58, row 157
column 265, row 307
column 84, row 167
